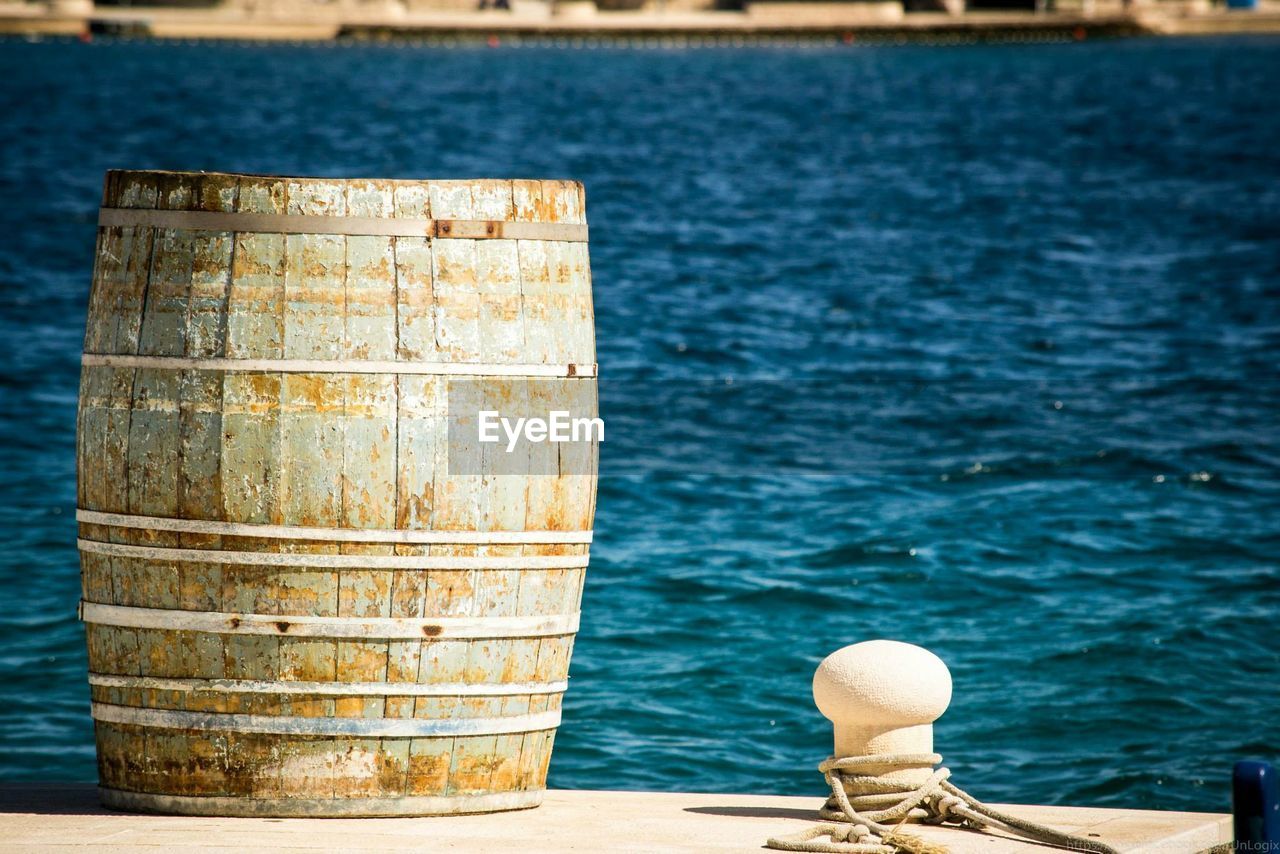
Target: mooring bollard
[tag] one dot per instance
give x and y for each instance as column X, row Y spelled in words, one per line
column 882, row 697
column 1255, row 806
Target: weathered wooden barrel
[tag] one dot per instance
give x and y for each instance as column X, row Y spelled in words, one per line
column 292, row 606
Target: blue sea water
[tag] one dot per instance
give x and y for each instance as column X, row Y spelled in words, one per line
column 973, row 347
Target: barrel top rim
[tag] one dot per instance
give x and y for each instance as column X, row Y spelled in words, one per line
column 344, row 178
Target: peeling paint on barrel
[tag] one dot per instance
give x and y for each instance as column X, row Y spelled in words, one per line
column 346, row 451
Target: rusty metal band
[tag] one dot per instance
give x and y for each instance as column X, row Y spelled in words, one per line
column 334, row 689
column 254, row 807
column 364, row 628
column 332, row 561
column 324, row 726
column 336, row 366
column 351, row 226
column 339, row 535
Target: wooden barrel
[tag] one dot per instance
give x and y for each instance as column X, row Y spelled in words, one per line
column 292, row 606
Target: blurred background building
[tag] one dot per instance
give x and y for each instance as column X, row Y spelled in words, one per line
column 798, row 12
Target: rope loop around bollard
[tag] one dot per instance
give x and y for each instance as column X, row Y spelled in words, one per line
column 866, row 812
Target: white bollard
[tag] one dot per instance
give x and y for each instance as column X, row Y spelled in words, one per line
column 883, row 697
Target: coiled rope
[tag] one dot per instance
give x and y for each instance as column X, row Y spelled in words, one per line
column 865, row 812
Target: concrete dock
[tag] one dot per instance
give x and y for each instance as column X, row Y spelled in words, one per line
column 58, row 817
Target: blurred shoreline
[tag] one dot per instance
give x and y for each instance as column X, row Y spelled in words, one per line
column 580, row 23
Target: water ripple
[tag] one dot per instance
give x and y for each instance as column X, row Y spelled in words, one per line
column 974, row 348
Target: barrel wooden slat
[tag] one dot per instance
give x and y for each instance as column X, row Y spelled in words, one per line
column 320, row 451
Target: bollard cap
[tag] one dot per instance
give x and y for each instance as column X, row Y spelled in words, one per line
column 882, row 683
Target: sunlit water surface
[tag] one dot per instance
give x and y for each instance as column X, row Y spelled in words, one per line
column 971, row 347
